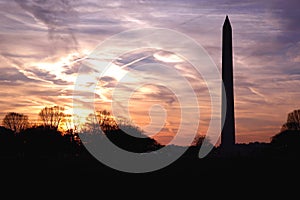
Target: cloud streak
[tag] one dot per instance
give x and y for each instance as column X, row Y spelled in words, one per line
column 58, row 16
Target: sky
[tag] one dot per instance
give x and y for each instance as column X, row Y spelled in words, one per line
column 44, row 45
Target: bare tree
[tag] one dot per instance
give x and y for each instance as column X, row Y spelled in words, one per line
column 100, row 120
column 91, row 125
column 106, row 121
column 15, row 121
column 52, row 116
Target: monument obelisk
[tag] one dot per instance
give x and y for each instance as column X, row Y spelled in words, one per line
column 228, row 131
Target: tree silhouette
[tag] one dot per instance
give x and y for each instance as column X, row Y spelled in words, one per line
column 287, row 143
column 132, row 139
column 7, row 141
column 15, row 121
column 293, row 121
column 91, row 125
column 106, row 121
column 40, row 141
column 52, row 116
column 198, row 140
column 124, row 135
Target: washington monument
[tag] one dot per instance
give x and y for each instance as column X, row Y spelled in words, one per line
column 228, row 131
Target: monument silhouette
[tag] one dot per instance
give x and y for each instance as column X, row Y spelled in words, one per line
column 228, row 131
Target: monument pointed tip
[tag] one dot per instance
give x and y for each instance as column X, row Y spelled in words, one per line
column 227, row 22
column 227, row 18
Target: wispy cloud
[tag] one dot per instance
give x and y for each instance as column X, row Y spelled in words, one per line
column 59, row 16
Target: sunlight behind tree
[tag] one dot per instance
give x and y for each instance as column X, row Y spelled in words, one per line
column 52, row 116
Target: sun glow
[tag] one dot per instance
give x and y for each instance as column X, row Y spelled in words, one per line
column 167, row 57
column 58, row 67
column 115, row 71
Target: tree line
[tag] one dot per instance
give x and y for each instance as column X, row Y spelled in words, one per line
column 50, row 117
column 49, row 137
column 57, row 134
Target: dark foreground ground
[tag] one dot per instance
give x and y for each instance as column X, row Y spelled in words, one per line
column 44, row 164
column 188, row 177
column 85, row 168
